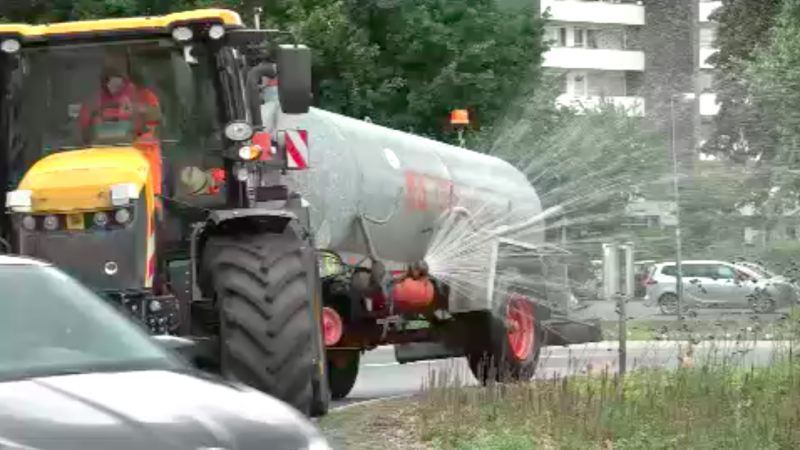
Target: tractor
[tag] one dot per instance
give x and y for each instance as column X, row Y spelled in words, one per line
column 180, row 224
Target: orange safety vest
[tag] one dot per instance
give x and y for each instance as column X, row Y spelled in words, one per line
column 124, row 111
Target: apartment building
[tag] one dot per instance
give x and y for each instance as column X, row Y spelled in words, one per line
column 649, row 56
column 646, row 55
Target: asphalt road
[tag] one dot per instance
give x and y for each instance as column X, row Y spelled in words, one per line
column 637, row 310
column 381, row 376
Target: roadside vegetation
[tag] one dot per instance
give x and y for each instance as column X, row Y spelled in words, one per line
column 716, row 403
column 707, row 397
column 717, row 406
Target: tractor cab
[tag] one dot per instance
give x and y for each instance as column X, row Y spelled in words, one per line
column 120, row 134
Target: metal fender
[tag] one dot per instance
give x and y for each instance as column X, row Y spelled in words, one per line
column 259, row 220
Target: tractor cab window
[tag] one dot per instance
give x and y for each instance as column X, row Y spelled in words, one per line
column 67, row 98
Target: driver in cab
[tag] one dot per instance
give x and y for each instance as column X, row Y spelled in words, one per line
column 123, row 112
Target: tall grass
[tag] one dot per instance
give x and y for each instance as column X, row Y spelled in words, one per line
column 713, row 405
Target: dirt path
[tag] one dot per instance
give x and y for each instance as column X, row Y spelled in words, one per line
column 388, row 425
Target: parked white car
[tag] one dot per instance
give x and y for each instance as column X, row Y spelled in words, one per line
column 718, row 284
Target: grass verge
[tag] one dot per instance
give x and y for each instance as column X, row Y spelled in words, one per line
column 705, row 408
column 717, row 405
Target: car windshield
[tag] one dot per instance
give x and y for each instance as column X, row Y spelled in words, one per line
column 759, row 270
column 51, row 324
column 72, row 97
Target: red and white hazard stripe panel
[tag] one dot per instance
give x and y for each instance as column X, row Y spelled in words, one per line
column 151, row 259
column 296, row 149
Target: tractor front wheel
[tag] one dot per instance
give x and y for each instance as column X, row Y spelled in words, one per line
column 342, row 372
column 267, row 336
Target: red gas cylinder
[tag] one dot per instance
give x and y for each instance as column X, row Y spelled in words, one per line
column 411, row 294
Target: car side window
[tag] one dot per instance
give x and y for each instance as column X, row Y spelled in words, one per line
column 725, row 273
column 669, row 271
column 693, row 271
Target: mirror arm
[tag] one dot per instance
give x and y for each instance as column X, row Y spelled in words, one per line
column 254, row 77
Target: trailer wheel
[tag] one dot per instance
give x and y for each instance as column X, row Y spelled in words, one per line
column 266, row 329
column 514, row 342
column 342, row 372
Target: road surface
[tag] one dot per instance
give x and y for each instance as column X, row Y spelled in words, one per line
column 381, row 376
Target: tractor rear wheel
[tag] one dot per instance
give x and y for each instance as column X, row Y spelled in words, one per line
column 267, row 332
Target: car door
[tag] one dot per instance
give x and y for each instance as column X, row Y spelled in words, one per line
column 694, row 281
column 748, row 283
column 722, row 287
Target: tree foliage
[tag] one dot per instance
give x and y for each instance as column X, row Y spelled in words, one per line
column 744, row 26
column 408, row 63
column 774, row 77
column 590, row 160
column 403, row 63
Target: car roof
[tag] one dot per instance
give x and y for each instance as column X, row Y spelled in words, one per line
column 16, row 260
column 697, row 261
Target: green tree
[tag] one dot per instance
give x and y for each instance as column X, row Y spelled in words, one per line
column 404, row 63
column 593, row 160
column 774, row 78
column 407, row 63
column 711, row 221
column 744, row 26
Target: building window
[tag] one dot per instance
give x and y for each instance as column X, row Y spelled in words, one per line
column 706, row 81
column 577, row 84
column 562, row 37
column 578, row 38
column 707, row 36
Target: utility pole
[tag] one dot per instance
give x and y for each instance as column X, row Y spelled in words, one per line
column 676, row 173
column 614, row 289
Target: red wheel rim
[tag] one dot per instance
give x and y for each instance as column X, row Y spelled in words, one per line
column 332, row 326
column 519, row 326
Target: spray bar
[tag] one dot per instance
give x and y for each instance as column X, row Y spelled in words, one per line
column 505, row 230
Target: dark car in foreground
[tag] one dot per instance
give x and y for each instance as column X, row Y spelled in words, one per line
column 76, row 374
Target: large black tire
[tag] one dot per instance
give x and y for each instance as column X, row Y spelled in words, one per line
column 267, row 334
column 490, row 356
column 343, row 372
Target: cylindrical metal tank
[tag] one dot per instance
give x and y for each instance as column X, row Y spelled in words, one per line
column 405, row 180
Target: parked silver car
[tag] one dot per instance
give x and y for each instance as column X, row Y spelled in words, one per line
column 720, row 284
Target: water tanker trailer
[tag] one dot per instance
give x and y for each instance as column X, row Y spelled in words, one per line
column 377, row 198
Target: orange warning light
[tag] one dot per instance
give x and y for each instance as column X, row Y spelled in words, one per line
column 459, row 117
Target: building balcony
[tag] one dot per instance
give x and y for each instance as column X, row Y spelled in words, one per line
column 705, row 53
column 597, row 59
column 708, row 105
column 706, row 8
column 634, row 105
column 624, row 12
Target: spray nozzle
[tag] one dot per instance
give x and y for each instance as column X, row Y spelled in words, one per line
column 418, row 270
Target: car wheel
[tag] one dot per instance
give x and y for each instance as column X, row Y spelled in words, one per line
column 762, row 303
column 668, row 303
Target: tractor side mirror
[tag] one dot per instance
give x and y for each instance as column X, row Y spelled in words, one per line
column 294, row 78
